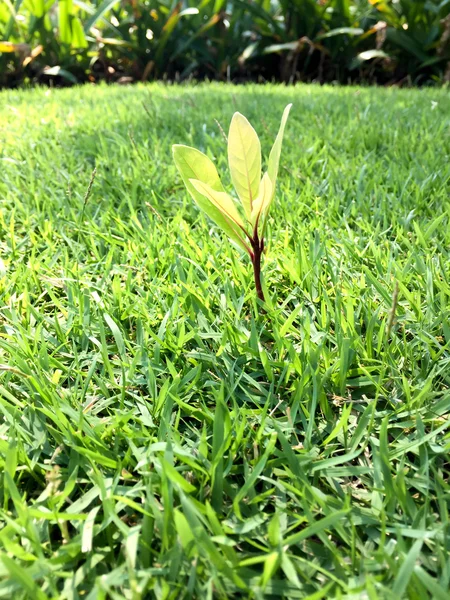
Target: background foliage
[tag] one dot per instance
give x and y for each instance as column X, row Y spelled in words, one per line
column 72, row 41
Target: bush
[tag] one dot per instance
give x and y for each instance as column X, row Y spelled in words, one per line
column 73, row 41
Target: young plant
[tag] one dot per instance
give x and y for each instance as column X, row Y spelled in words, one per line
column 202, row 181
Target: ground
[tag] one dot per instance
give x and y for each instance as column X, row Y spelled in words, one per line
column 162, row 437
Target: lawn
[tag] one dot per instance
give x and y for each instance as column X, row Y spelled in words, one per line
column 160, row 436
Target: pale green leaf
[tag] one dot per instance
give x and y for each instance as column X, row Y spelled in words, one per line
column 263, row 200
column 193, row 164
column 274, row 157
column 222, row 200
column 244, row 158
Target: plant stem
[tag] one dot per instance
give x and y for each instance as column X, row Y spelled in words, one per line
column 258, row 247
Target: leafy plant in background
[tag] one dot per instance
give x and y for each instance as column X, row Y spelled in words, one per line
column 43, row 39
column 416, row 36
column 316, row 38
column 255, row 193
column 71, row 41
column 367, row 40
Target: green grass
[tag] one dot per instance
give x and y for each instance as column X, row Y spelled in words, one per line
column 159, row 438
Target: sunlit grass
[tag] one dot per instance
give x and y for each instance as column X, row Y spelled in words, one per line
column 158, row 437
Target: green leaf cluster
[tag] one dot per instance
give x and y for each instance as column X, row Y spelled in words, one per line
column 254, row 191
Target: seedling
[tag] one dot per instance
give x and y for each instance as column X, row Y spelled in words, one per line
column 245, row 228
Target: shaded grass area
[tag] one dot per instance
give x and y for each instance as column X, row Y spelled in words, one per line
column 158, row 437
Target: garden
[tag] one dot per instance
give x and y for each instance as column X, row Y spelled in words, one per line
column 224, row 321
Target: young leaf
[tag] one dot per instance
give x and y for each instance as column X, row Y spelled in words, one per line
column 222, row 200
column 227, row 216
column 264, row 199
column 244, row 158
column 193, row 164
column 274, row 157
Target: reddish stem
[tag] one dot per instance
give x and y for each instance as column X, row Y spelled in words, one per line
column 258, row 248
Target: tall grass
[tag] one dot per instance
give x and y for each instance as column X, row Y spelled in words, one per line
column 323, row 40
